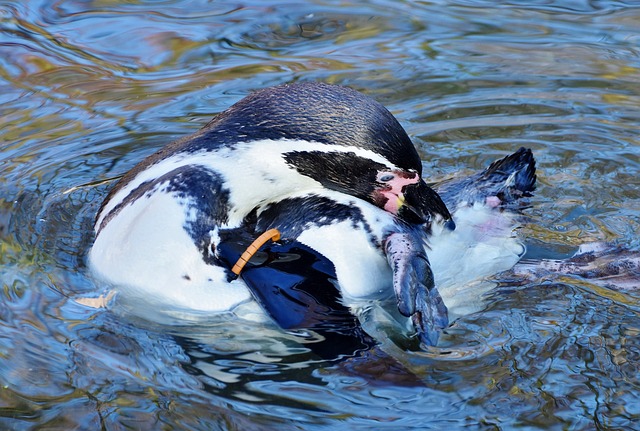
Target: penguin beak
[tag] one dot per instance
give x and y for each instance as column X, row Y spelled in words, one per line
column 420, row 204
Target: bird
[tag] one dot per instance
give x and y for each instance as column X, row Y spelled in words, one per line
column 330, row 167
column 451, row 264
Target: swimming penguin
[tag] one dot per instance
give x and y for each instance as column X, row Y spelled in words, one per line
column 294, row 282
column 336, row 157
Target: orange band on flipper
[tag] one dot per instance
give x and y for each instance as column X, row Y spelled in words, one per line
column 271, row 234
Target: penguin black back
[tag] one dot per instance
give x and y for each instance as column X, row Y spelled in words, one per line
column 312, row 111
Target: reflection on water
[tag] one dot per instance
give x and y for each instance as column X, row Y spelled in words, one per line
column 87, row 89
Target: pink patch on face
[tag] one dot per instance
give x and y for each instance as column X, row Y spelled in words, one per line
column 392, row 189
column 392, row 203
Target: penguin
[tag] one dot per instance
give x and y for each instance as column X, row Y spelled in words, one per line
column 332, row 168
column 429, row 264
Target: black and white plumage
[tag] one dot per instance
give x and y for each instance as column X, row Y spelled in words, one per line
column 426, row 261
column 337, row 157
column 337, row 175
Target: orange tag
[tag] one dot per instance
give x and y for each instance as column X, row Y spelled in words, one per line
column 271, row 234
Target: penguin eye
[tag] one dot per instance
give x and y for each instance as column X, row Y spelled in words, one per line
column 386, row 177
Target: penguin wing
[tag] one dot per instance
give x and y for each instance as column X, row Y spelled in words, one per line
column 297, row 287
column 414, row 286
column 293, row 283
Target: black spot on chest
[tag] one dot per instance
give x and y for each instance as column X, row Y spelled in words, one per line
column 293, row 216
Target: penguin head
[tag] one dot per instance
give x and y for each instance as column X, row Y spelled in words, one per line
column 399, row 191
column 362, row 149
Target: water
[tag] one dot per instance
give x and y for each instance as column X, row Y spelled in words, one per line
column 89, row 88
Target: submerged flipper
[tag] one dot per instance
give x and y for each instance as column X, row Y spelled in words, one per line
column 414, row 287
column 297, row 287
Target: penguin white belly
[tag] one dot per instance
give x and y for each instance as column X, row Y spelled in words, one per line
column 144, row 251
column 361, row 268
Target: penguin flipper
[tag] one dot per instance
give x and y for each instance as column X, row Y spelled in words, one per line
column 414, row 286
column 297, row 287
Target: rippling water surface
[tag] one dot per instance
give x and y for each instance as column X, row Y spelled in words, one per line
column 88, row 88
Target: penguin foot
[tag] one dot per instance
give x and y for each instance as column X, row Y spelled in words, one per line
column 504, row 182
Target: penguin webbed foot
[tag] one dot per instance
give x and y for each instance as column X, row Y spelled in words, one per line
column 502, row 184
column 414, row 287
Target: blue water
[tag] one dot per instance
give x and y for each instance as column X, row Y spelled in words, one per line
column 88, row 88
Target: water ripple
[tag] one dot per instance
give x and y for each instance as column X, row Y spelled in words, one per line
column 87, row 89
